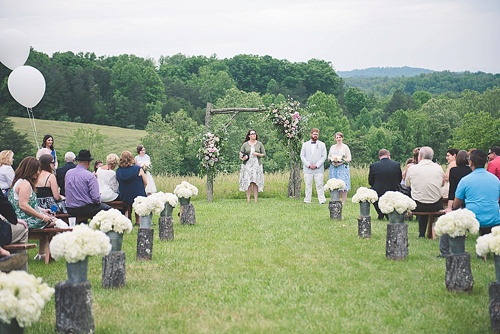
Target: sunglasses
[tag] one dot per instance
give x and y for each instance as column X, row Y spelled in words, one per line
column 252, row 133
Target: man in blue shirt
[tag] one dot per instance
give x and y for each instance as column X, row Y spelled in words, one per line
column 480, row 190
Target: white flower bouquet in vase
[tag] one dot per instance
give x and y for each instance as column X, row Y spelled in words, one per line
column 364, row 197
column 184, row 191
column 395, row 205
column 22, row 299
column 146, row 207
column 169, row 200
column 456, row 224
column 334, row 186
column 490, row 243
column 114, row 224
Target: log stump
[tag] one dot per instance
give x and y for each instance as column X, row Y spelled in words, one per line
column 494, row 306
column 166, row 228
column 145, row 244
column 364, row 227
column 113, row 270
column 335, row 208
column 74, row 308
column 396, row 246
column 188, row 216
column 458, row 275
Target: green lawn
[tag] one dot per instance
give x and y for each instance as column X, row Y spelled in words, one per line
column 279, row 266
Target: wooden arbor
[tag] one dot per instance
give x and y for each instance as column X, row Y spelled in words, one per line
column 294, row 181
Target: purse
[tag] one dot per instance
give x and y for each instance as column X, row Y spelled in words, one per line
column 61, row 207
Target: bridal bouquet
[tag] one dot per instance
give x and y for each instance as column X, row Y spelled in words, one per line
column 364, row 194
column 146, row 166
column 336, row 158
column 489, row 243
column 185, row 190
column 457, row 223
column 111, row 220
column 395, row 201
column 22, row 297
column 144, row 206
column 76, row 245
column 334, row 184
column 169, row 198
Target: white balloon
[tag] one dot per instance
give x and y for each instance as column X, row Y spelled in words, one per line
column 26, row 85
column 14, row 48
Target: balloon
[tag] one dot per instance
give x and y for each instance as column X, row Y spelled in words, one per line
column 14, row 48
column 26, row 85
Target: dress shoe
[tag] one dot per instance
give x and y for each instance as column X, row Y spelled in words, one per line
column 13, row 261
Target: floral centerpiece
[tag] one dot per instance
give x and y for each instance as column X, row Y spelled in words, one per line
column 144, row 206
column 395, row 201
column 146, row 166
column 363, row 194
column 22, row 297
column 169, row 198
column 457, row 223
column 489, row 243
column 334, row 184
column 185, row 190
column 210, row 153
column 111, row 220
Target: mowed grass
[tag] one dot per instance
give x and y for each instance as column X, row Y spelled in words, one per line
column 277, row 266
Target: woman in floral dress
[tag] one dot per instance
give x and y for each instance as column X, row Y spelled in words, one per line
column 251, row 173
column 340, row 156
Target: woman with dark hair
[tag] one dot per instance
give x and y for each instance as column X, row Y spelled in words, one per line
column 144, row 161
column 252, row 173
column 48, row 142
column 451, row 155
column 131, row 180
column 340, row 156
column 47, row 190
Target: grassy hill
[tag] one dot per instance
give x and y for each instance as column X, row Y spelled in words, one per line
column 117, row 139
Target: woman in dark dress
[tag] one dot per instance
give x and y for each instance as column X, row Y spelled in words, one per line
column 131, row 180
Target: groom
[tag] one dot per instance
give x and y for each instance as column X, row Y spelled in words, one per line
column 313, row 156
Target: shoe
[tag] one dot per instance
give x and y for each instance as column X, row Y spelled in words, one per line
column 322, row 202
column 440, row 256
column 13, row 262
column 307, row 202
column 39, row 257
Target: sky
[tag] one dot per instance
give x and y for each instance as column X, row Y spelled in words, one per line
column 454, row 35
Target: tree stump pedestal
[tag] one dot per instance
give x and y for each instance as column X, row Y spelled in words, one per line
column 494, row 306
column 166, row 228
column 335, row 208
column 396, row 246
column 145, row 244
column 364, row 227
column 113, row 270
column 188, row 216
column 458, row 277
column 74, row 308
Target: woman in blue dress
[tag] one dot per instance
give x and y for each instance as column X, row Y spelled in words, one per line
column 340, row 156
column 131, row 180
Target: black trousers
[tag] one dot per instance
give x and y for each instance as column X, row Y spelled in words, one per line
column 89, row 210
column 423, row 220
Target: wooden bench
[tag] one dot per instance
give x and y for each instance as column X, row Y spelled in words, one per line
column 45, row 234
column 123, row 207
column 430, row 223
column 16, row 248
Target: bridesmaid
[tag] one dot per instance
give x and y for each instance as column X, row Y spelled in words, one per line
column 48, row 142
column 340, row 156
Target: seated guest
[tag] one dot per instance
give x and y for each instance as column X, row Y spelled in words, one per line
column 6, row 171
column 479, row 191
column 97, row 164
column 47, row 191
column 131, row 180
column 23, row 198
column 425, row 180
column 106, row 177
column 43, row 151
column 12, row 231
column 494, row 161
column 451, row 156
column 82, row 189
column 69, row 158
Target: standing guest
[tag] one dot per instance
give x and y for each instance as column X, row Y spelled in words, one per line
column 384, row 175
column 23, row 199
column 48, row 142
column 144, row 161
column 131, row 180
column 425, row 180
column 82, row 189
column 313, row 156
column 340, row 156
column 6, row 171
column 47, row 191
column 494, row 161
column 479, row 191
column 106, row 177
column 69, row 158
column 251, row 172
column 451, row 156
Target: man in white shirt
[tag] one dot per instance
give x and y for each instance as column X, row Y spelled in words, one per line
column 313, row 155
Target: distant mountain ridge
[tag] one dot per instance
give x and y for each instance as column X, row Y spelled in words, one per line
column 390, row 72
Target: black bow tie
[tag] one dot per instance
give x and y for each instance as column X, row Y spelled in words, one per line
column 313, row 142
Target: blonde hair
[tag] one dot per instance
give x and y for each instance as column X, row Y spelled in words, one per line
column 112, row 159
column 5, row 157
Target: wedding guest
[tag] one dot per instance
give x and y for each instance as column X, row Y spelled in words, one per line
column 451, row 155
column 402, row 186
column 340, row 156
column 313, row 156
column 494, row 161
column 251, row 172
column 97, row 164
column 69, row 158
column 131, row 180
column 48, row 142
column 47, row 191
column 106, row 177
column 6, row 171
column 144, row 161
column 12, row 230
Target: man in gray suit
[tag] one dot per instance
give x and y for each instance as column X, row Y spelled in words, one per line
column 313, row 155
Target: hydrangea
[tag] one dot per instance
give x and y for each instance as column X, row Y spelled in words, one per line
column 111, row 220
column 489, row 243
column 144, row 206
column 76, row 245
column 22, row 297
column 334, row 184
column 364, row 194
column 395, row 201
column 185, row 190
column 457, row 223
column 167, row 198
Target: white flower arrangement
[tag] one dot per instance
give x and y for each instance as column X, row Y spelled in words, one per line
column 111, row 220
column 336, row 158
column 167, row 198
column 22, row 297
column 76, row 245
column 489, row 243
column 395, row 201
column 457, row 223
column 185, row 190
column 144, row 206
column 363, row 194
column 334, row 184
column 146, row 166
